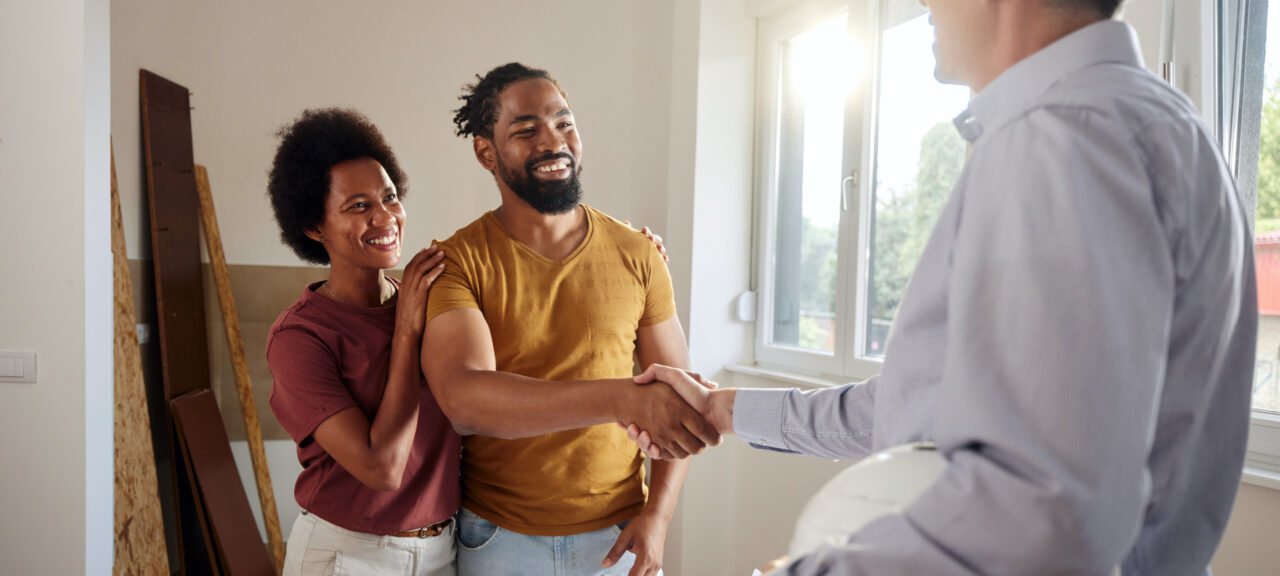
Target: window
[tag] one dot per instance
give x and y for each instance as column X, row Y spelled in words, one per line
column 1248, row 124
column 857, row 156
column 1266, row 389
column 1257, row 158
column 918, row 157
column 808, row 62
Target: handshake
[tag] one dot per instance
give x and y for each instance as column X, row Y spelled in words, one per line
column 678, row 413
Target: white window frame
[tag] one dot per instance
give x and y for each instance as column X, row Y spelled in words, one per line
column 1221, row 39
column 771, row 33
column 848, row 360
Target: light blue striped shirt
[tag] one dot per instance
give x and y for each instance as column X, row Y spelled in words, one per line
column 1078, row 339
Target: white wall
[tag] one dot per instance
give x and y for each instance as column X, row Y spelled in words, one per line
column 711, row 213
column 724, row 183
column 55, row 509
column 99, row 319
column 254, row 66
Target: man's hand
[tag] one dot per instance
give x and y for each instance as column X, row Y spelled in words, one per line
column 645, row 537
column 700, row 393
column 673, row 425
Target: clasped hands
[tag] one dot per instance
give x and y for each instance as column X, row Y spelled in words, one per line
column 683, row 413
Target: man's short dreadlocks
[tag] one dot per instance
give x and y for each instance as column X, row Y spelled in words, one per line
column 1103, row 8
column 480, row 100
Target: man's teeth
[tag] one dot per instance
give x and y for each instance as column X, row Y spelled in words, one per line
column 561, row 165
column 383, row 240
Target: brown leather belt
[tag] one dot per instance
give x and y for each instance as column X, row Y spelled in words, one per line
column 429, row 531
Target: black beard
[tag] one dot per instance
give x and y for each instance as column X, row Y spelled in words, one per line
column 550, row 198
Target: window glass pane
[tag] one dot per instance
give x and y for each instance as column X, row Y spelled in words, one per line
column 1266, row 243
column 919, row 155
column 814, row 76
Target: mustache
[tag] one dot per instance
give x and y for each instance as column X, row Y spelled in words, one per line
column 573, row 162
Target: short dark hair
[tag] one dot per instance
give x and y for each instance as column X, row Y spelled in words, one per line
column 299, row 180
column 480, row 100
column 1107, row 8
column 1104, row 8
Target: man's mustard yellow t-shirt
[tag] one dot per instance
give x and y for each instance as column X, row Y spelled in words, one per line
column 575, row 319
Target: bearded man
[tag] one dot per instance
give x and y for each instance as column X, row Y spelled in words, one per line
column 529, row 346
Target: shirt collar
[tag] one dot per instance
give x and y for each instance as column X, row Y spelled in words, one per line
column 1014, row 89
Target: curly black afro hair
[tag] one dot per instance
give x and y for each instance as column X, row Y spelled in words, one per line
column 299, row 180
column 480, row 100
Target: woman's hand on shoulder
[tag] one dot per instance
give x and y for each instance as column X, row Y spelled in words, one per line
column 422, row 271
column 656, row 239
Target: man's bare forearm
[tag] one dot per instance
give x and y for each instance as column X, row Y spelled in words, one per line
column 664, row 487
column 664, row 344
column 460, row 365
column 505, row 405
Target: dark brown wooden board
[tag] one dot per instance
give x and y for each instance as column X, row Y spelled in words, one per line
column 196, row 504
column 226, row 507
column 194, row 552
column 175, row 234
column 174, row 210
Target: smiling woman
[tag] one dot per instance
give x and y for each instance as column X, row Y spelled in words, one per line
column 379, row 483
column 363, row 220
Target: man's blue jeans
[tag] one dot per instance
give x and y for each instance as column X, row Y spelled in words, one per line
column 487, row 550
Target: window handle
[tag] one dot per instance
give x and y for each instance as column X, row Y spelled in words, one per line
column 844, row 189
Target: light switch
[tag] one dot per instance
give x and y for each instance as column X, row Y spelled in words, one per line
column 17, row 366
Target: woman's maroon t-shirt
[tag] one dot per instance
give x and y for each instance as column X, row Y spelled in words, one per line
column 325, row 357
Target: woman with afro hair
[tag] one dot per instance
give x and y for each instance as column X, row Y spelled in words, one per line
column 379, row 482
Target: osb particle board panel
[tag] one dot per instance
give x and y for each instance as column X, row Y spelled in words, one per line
column 144, row 304
column 139, row 524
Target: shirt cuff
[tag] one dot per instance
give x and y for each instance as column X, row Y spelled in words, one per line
column 757, row 417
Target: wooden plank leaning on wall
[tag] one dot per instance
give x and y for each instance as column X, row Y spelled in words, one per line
column 175, row 248
column 216, row 483
column 244, row 386
column 139, row 525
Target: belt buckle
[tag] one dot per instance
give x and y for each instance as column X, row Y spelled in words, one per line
column 434, row 529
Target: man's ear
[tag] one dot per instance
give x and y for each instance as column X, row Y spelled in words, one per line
column 486, row 153
column 315, row 234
